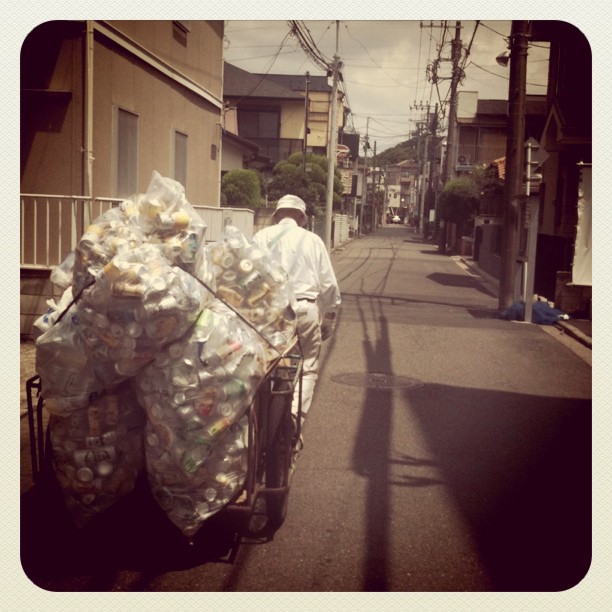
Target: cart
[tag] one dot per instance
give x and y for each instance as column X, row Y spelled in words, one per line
column 260, row 506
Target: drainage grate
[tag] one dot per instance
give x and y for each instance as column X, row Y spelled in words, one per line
column 378, row 380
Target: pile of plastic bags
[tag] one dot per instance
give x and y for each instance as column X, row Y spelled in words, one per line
column 154, row 353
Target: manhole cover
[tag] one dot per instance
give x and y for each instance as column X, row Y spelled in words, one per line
column 378, row 380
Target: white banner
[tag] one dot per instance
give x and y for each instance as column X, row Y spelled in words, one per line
column 582, row 266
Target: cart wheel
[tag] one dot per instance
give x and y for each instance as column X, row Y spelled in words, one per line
column 278, row 458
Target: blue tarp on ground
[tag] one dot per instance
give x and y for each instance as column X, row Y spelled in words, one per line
column 542, row 313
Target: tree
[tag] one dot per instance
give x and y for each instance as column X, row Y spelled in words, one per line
column 241, row 189
column 311, row 186
column 459, row 201
column 491, row 189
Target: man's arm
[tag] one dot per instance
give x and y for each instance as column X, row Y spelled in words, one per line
column 329, row 297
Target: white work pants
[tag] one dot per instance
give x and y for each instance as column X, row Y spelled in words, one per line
column 309, row 334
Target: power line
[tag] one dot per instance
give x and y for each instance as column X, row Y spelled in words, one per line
column 504, row 36
column 254, row 57
column 302, row 34
column 502, row 76
column 265, row 74
column 370, row 56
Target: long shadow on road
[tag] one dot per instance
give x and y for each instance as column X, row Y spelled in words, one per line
column 519, row 468
column 517, row 465
column 371, row 455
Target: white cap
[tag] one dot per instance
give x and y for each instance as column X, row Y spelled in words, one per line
column 291, row 202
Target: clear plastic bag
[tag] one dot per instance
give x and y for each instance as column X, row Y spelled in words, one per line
column 168, row 220
column 256, row 286
column 196, row 395
column 98, row 452
column 68, row 376
column 161, row 217
column 119, row 324
column 109, row 235
column 138, row 304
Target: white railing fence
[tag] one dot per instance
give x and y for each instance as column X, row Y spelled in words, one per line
column 51, row 225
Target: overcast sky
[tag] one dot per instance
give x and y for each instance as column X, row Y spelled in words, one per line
column 385, row 64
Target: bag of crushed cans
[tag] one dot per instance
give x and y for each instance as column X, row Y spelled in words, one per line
column 198, row 390
column 161, row 217
column 98, row 452
column 196, row 395
column 193, row 326
column 138, row 303
column 254, row 285
column 132, row 295
column 127, row 294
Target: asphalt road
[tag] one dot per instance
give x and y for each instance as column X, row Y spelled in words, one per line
column 447, row 450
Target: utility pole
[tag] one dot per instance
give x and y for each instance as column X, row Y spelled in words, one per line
column 423, row 179
column 333, row 138
column 375, row 183
column 513, row 188
column 306, row 109
column 424, row 173
column 433, row 173
column 449, row 161
column 364, row 185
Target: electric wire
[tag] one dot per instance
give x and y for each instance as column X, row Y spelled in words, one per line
column 386, row 124
column 370, row 56
column 262, row 76
column 504, row 36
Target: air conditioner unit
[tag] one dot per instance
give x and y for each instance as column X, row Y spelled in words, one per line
column 464, row 164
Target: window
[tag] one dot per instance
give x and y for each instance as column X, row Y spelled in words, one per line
column 180, row 158
column 258, row 124
column 126, row 153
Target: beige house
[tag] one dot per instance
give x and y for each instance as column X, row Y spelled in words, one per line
column 271, row 111
column 103, row 104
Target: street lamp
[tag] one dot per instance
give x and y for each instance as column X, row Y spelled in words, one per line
column 503, row 58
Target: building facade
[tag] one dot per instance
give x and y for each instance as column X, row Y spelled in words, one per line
column 282, row 114
column 566, row 174
column 481, row 142
column 103, row 105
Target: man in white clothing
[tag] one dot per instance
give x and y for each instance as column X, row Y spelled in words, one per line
column 304, row 257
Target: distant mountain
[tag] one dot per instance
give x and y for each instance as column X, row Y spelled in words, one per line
column 400, row 152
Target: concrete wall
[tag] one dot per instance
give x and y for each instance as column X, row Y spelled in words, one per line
column 186, row 50
column 486, row 241
column 162, row 106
